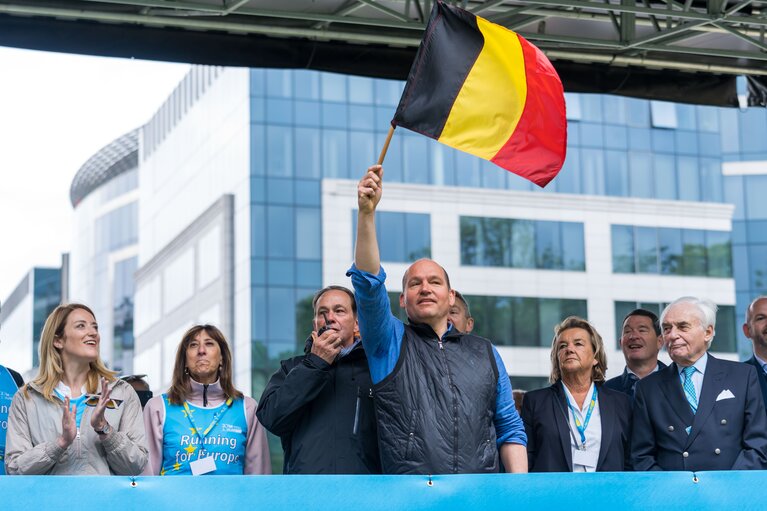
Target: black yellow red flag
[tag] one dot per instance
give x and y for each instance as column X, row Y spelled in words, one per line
column 482, row 88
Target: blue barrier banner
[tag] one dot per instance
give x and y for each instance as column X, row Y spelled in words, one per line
column 503, row 492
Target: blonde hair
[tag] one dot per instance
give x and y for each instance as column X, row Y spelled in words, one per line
column 599, row 370
column 51, row 365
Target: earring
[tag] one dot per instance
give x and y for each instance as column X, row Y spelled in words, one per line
column 186, row 370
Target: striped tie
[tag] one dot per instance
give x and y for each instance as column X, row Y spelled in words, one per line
column 689, row 388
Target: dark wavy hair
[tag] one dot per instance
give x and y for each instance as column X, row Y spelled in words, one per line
column 179, row 387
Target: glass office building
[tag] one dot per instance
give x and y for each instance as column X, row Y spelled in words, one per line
column 103, row 260
column 22, row 316
column 247, row 197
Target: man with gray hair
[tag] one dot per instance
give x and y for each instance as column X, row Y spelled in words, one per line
column 699, row 413
column 755, row 328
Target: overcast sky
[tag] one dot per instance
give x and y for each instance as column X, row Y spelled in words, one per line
column 56, row 111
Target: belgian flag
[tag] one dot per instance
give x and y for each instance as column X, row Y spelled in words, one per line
column 485, row 90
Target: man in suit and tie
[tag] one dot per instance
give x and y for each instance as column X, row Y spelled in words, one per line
column 755, row 329
column 699, row 413
column 640, row 343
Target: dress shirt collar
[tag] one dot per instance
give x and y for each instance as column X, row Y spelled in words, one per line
column 700, row 365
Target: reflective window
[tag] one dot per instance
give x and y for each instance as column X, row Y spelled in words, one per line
column 335, row 115
column 402, row 237
column 360, row 89
column 711, row 179
column 280, row 231
column 335, row 154
column 615, row 106
column 415, row 159
column 279, row 154
column 640, row 175
column 591, row 107
column 361, row 117
column 593, row 171
column 307, row 84
column 623, row 248
column 573, row 106
column 708, row 118
column 671, row 251
column 279, row 83
column 388, row 92
column 665, row 177
column 122, row 305
column 689, row 178
column 279, row 111
column 117, row 229
column 694, row 252
column 719, row 254
column 756, row 205
column 362, row 150
column 522, row 243
column 638, row 112
column 670, row 248
column 307, row 113
column 663, row 114
column 308, row 233
column 520, row 321
column 307, row 149
column 333, row 87
column 617, row 179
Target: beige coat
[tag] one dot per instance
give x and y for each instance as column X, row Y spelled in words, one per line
column 34, row 424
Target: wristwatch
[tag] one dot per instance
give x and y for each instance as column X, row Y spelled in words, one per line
column 105, row 430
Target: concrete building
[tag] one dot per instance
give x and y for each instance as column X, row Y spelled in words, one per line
column 22, row 316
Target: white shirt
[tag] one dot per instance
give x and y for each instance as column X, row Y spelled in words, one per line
column 761, row 362
column 697, row 376
column 593, row 432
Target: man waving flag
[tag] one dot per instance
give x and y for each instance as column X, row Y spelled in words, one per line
column 485, row 90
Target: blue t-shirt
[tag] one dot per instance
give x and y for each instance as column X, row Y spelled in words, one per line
column 382, row 336
column 219, row 432
column 8, row 388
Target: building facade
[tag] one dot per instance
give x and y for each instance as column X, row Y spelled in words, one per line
column 22, row 316
column 247, row 204
column 103, row 260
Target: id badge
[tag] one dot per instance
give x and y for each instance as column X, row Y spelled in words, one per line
column 585, row 458
column 203, row 466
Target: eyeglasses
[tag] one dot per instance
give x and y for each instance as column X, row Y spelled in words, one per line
column 111, row 404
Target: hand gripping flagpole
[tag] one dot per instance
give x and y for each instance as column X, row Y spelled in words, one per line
column 386, row 145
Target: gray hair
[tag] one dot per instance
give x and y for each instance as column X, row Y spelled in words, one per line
column 706, row 312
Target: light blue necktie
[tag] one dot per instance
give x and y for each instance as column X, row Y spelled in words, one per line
column 689, row 388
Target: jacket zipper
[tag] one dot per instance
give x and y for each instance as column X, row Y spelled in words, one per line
column 356, row 427
column 455, row 405
column 79, row 442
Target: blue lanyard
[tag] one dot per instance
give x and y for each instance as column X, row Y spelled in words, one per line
column 216, row 418
column 582, row 427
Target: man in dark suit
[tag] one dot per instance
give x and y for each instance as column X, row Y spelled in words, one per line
column 700, row 413
column 640, row 343
column 755, row 329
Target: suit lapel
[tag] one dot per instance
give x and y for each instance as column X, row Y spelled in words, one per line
column 608, row 418
column 761, row 375
column 673, row 393
column 562, row 420
column 712, row 386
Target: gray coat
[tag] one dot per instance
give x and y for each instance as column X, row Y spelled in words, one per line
column 34, row 424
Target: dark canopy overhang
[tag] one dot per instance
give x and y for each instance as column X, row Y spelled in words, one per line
column 688, row 51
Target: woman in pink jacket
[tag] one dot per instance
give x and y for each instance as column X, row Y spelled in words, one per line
column 203, row 424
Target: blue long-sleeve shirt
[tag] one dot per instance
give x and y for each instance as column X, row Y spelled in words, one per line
column 382, row 336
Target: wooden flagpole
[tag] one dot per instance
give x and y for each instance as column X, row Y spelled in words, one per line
column 386, row 145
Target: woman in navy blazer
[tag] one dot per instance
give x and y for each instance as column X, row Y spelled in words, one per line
column 577, row 424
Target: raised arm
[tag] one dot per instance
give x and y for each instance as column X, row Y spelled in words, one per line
column 366, row 255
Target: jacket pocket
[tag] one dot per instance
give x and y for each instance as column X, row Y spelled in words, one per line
column 410, row 436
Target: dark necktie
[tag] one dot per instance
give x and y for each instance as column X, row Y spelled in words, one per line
column 633, row 379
